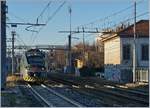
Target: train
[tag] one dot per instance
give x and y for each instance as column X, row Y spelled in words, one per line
column 33, row 66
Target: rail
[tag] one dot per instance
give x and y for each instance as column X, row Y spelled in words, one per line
column 49, row 97
column 38, row 96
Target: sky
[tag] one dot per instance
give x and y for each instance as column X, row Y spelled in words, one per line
column 83, row 13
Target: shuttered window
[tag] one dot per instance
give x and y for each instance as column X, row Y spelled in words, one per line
column 126, row 52
column 145, row 52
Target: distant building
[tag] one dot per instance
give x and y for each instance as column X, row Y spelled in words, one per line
column 100, row 49
column 56, row 59
column 118, row 53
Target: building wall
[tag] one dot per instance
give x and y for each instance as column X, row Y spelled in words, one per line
column 112, row 51
column 140, row 41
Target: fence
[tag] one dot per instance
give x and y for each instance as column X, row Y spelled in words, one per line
column 124, row 74
column 141, row 74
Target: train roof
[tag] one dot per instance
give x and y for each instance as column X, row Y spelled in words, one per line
column 33, row 52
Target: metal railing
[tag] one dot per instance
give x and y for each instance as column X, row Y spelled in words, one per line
column 141, row 74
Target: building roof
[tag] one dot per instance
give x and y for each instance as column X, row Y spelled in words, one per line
column 142, row 30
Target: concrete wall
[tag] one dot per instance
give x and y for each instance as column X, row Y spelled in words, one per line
column 140, row 42
column 118, row 73
column 112, row 51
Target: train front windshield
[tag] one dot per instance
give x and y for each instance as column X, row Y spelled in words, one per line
column 36, row 60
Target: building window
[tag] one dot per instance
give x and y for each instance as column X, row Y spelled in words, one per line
column 145, row 52
column 126, row 52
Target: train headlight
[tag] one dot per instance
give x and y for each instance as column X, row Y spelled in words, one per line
column 42, row 68
column 26, row 70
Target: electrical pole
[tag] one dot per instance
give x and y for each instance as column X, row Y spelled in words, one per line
column 69, row 46
column 3, row 43
column 84, row 60
column 13, row 38
column 134, row 45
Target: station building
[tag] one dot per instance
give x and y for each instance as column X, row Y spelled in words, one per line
column 117, row 53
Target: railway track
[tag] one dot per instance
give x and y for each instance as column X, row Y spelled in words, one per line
column 105, row 100
column 82, row 94
column 146, row 92
column 50, row 98
column 98, row 84
column 135, row 93
column 116, row 88
column 122, row 96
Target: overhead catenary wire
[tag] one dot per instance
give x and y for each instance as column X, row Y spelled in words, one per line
column 17, row 17
column 49, row 18
column 109, row 16
column 115, row 25
column 130, row 19
column 120, row 22
column 108, row 23
column 126, row 20
column 43, row 11
column 37, row 21
column 31, row 27
column 21, row 40
column 41, row 14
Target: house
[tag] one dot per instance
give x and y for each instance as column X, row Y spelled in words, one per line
column 118, row 53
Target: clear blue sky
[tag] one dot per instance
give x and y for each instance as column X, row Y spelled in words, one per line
column 83, row 12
